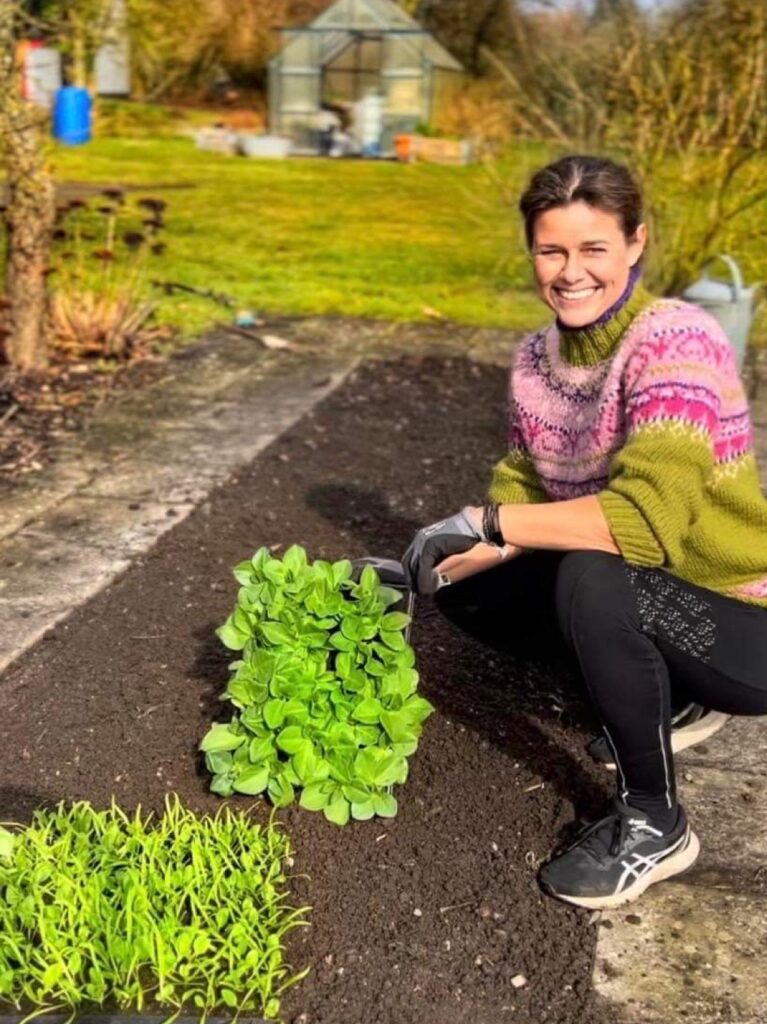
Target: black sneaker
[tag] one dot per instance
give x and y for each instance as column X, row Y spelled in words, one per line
column 691, row 725
column 613, row 860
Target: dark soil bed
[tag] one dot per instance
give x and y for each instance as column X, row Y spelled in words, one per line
column 425, row 918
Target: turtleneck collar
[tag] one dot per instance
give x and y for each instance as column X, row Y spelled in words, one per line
column 595, row 342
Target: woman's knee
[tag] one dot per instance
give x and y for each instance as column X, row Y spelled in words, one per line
column 592, row 592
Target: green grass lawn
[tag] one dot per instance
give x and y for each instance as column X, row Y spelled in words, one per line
column 355, row 238
column 324, row 237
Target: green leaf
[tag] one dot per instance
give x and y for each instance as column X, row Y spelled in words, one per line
column 292, row 739
column 356, row 681
column 388, row 595
column 52, row 973
column 274, row 713
column 260, row 749
column 222, row 784
column 253, row 780
column 294, row 559
column 385, row 805
column 241, row 620
column 272, row 1009
column 275, row 633
column 342, row 571
column 323, row 570
column 398, row 725
column 315, row 796
column 341, row 642
column 243, row 573
column 220, row 737
column 355, row 794
column 218, row 761
column 417, row 709
column 406, row 747
column 351, row 627
column 369, row 580
column 275, row 571
column 368, row 735
column 344, row 664
column 363, row 811
column 338, row 811
column 307, row 765
column 232, row 637
column 367, row 711
column 394, row 640
column 296, row 712
column 281, row 791
column 395, row 620
column 7, row 842
column 379, row 767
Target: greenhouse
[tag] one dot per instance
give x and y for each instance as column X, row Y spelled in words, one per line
column 354, row 49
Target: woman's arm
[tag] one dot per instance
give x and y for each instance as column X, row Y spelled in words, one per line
column 575, row 525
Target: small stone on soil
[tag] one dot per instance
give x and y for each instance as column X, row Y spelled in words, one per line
column 519, row 981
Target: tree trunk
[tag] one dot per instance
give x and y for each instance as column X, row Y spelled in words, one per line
column 29, row 211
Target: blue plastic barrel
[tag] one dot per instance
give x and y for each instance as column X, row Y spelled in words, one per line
column 72, row 115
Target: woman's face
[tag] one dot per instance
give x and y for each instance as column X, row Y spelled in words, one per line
column 582, row 260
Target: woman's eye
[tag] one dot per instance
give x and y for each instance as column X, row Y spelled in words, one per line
column 595, row 251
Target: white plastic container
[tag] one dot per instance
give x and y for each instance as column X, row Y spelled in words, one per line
column 216, row 140
column 269, row 147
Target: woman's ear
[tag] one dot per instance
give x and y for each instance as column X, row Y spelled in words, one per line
column 638, row 244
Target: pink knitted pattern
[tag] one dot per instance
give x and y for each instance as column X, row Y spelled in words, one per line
column 674, row 366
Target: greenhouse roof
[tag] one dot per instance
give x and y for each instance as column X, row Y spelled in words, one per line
column 379, row 16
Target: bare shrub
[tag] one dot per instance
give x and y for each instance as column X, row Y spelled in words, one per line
column 98, row 304
column 681, row 96
column 481, row 112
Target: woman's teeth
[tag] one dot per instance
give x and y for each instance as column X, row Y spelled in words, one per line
column 582, row 293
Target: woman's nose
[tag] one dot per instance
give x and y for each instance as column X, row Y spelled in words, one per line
column 572, row 269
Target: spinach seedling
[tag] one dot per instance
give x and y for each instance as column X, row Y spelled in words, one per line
column 325, row 689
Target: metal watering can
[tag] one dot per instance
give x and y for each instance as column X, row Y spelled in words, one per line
column 730, row 302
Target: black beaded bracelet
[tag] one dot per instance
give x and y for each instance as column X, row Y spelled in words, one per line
column 491, row 524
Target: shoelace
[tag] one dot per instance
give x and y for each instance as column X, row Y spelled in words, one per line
column 594, row 838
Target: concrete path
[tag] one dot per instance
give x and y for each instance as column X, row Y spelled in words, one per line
column 141, row 467
column 692, row 951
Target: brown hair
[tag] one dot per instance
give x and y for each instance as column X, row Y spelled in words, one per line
column 595, row 180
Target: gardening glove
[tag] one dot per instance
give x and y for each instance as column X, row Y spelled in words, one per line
column 434, row 543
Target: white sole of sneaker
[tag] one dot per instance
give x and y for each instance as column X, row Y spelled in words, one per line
column 674, row 864
column 691, row 735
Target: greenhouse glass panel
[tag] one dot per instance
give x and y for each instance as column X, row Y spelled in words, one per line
column 405, row 96
column 370, row 54
column 300, row 52
column 403, row 53
column 299, row 92
column 339, row 87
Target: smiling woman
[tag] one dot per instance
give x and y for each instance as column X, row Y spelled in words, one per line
column 631, row 490
column 584, row 250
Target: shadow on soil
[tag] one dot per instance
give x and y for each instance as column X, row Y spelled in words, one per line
column 526, row 704
column 20, row 804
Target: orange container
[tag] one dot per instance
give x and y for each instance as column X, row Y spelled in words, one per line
column 403, row 147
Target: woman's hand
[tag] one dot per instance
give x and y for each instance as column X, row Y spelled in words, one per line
column 478, row 559
column 434, row 543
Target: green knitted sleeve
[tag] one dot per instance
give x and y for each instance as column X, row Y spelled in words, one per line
column 515, row 480
column 657, row 481
column 656, row 490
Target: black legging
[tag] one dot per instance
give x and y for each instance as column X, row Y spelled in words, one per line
column 633, row 631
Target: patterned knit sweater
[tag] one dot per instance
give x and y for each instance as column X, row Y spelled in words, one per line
column 647, row 412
